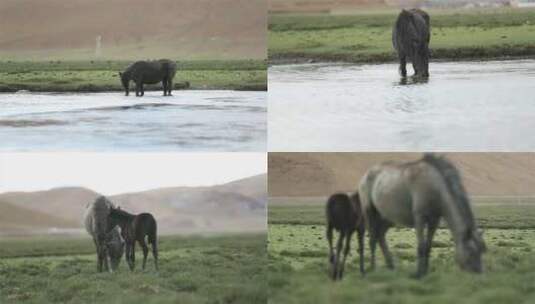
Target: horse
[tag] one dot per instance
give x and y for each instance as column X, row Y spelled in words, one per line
column 136, row 228
column 344, row 214
column 108, row 242
column 410, row 37
column 149, row 72
column 418, row 194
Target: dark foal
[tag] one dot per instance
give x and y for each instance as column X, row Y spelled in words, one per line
column 136, row 228
column 344, row 214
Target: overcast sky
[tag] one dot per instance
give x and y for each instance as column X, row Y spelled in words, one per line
column 113, row 173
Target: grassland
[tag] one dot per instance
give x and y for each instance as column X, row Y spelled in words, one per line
column 297, row 253
column 217, row 269
column 98, row 76
column 366, row 36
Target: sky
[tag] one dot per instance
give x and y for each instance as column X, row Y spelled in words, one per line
column 114, row 173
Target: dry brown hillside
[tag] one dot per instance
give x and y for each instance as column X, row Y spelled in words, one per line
column 320, row 174
column 321, row 6
column 229, row 207
column 179, row 29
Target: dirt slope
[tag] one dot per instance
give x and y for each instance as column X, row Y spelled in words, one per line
column 320, row 174
column 180, row 29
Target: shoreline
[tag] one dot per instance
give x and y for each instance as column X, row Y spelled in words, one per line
column 296, row 58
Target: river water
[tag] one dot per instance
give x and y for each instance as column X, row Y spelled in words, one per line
column 465, row 106
column 187, row 121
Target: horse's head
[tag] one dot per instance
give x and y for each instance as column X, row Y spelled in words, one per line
column 125, row 80
column 115, row 245
column 469, row 251
column 421, row 60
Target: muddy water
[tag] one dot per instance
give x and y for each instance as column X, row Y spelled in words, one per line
column 465, row 106
column 187, row 121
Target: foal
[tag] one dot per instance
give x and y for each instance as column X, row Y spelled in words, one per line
column 136, row 228
column 344, row 214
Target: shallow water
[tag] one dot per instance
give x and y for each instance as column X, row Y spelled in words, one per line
column 465, row 106
column 189, row 120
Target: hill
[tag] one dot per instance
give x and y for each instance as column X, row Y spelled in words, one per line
column 320, row 174
column 133, row 29
column 229, row 207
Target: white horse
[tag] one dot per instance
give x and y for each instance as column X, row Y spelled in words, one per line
column 417, row 194
column 106, row 235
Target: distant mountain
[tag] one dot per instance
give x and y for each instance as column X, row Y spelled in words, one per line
column 320, row 174
column 229, row 207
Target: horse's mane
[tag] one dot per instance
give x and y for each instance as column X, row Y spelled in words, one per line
column 121, row 215
column 453, row 182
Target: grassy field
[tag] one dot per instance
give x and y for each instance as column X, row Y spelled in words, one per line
column 297, row 271
column 366, row 36
column 218, row 269
column 97, row 76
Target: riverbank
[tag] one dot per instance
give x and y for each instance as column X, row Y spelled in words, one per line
column 366, row 37
column 101, row 76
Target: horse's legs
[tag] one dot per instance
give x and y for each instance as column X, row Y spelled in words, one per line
column 338, row 252
column 133, row 255
column 384, row 246
column 145, row 252
column 155, row 253
column 347, row 247
column 138, row 89
column 419, row 226
column 142, row 90
column 360, row 235
column 403, row 65
column 432, row 226
column 331, row 253
column 164, row 84
column 169, row 86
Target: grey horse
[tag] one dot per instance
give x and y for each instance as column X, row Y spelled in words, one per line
column 149, row 72
column 418, row 194
column 411, row 37
column 109, row 244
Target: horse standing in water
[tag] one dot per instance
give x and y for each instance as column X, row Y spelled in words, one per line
column 417, row 194
column 149, row 72
column 108, row 242
column 136, row 228
column 410, row 37
column 344, row 214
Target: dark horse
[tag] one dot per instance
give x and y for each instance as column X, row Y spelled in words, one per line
column 149, row 72
column 136, row 228
column 411, row 36
column 344, row 214
column 418, row 194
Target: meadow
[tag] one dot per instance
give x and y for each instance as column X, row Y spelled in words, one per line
column 98, row 76
column 297, row 254
column 366, row 36
column 193, row 269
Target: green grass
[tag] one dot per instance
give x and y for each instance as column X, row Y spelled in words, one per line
column 217, row 269
column 366, row 37
column 298, row 263
column 97, row 76
column 495, row 213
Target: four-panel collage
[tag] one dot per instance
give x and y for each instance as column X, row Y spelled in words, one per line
column 267, row 151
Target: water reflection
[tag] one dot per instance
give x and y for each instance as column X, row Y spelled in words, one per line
column 463, row 106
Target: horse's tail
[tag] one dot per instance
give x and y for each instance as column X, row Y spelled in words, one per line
column 453, row 181
column 169, row 69
column 153, row 234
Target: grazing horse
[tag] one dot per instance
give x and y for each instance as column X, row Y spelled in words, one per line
column 410, row 37
column 136, row 228
column 417, row 194
column 149, row 72
column 344, row 214
column 108, row 241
